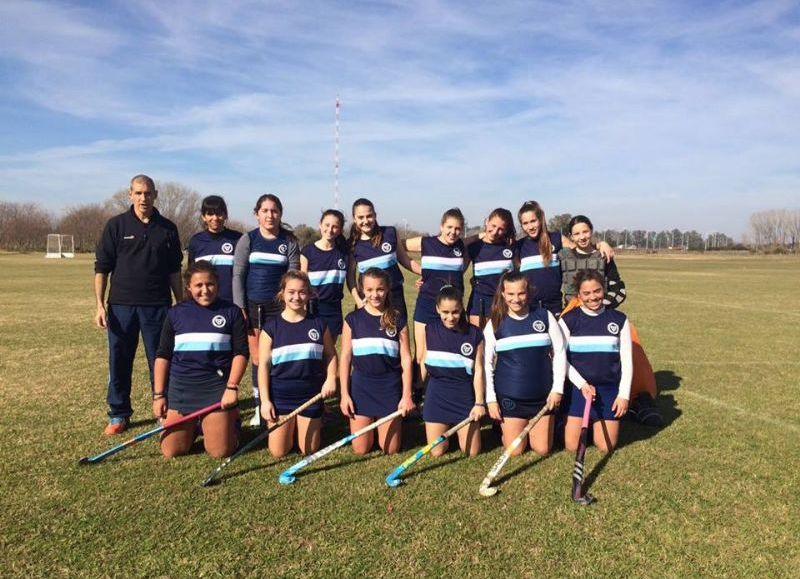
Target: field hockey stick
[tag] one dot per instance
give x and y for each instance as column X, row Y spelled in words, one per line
column 394, row 480
column 259, row 439
column 489, row 491
column 577, row 473
column 114, row 450
column 287, row 477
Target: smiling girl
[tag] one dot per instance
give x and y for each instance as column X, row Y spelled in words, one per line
column 599, row 350
column 525, row 364
column 299, row 361
column 375, row 366
column 260, row 260
column 200, row 360
column 325, row 262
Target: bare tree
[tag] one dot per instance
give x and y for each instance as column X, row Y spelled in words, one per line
column 559, row 222
column 85, row 223
column 24, row 226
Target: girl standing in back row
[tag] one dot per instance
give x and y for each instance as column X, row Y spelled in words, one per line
column 260, row 260
column 325, row 262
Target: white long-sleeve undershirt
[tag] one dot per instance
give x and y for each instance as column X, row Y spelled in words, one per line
column 625, row 356
column 559, row 356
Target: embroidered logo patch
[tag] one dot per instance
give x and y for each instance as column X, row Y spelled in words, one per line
column 341, row 263
column 538, row 326
column 508, row 404
column 613, row 328
column 466, row 349
column 282, row 249
column 507, row 253
column 227, row 247
column 391, row 332
column 218, row 321
column 457, row 251
column 313, row 334
column 386, row 247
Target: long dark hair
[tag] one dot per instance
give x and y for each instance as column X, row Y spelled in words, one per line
column 499, row 307
column 284, row 229
column 375, row 236
column 450, row 292
column 390, row 314
column 545, row 247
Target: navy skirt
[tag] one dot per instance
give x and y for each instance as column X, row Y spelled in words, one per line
column 187, row 394
column 518, row 407
column 375, row 396
column 448, row 402
column 425, row 310
column 331, row 314
column 287, row 395
column 266, row 310
column 601, row 407
column 474, row 304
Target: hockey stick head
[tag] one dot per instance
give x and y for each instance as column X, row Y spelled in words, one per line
column 586, row 499
column 286, row 479
column 84, row 460
column 394, row 482
column 209, row 481
column 487, row 491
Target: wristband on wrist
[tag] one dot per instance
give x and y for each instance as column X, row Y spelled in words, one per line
column 158, row 395
column 232, row 387
column 481, row 404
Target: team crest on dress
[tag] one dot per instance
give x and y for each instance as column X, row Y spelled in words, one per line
column 613, row 328
column 313, row 334
column 466, row 349
column 391, row 332
column 508, row 404
column 218, row 321
column 341, row 264
column 386, row 247
column 538, row 326
column 457, row 252
column 227, row 247
column 507, row 253
column 282, row 248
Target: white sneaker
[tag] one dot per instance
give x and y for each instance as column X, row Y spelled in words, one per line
column 256, row 419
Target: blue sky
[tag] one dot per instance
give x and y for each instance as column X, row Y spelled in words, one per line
column 639, row 114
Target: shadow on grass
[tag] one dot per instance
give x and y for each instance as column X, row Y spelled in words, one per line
column 632, row 431
column 521, row 468
column 432, row 464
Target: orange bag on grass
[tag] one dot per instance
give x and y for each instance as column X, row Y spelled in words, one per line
column 644, row 380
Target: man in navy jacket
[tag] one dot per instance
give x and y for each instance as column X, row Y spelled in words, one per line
column 141, row 251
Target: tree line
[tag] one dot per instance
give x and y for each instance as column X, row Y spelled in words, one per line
column 24, row 226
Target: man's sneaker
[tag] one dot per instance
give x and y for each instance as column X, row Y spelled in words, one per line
column 645, row 410
column 117, row 425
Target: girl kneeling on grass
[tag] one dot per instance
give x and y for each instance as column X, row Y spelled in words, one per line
column 200, row 360
column 453, row 363
column 375, row 343
column 600, row 363
column 525, row 364
column 299, row 362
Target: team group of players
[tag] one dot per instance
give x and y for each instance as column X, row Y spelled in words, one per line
column 539, row 329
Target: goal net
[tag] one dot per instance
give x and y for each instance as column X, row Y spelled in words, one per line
column 59, row 245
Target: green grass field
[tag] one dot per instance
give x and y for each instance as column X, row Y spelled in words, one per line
column 713, row 493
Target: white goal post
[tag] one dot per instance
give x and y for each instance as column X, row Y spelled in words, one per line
column 60, row 245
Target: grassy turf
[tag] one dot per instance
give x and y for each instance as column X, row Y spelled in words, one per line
column 713, row 493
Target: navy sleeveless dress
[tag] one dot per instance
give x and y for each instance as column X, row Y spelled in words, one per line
column 327, row 271
column 450, row 361
column 442, row 265
column 594, row 351
column 544, row 278
column 523, row 370
column 267, row 263
column 489, row 262
column 376, row 384
column 297, row 369
column 200, row 343
column 383, row 257
column 216, row 248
